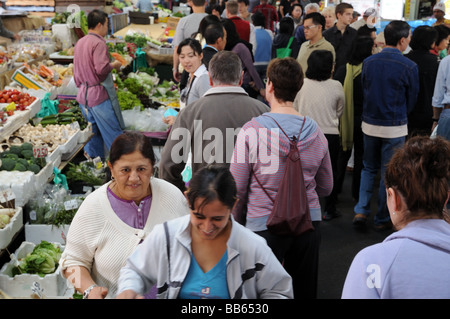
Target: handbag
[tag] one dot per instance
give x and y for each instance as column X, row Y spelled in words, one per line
column 285, row 52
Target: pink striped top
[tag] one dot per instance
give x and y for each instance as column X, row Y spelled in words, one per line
column 257, row 146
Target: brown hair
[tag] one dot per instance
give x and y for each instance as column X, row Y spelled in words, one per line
column 285, row 87
column 341, row 7
column 419, row 171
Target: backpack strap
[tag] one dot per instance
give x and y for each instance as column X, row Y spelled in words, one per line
column 294, row 140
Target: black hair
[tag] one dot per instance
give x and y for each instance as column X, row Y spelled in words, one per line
column 95, row 17
column 395, row 31
column 286, row 26
column 212, row 182
column 213, row 32
column 317, row 19
column 193, row 43
column 246, row 2
column 443, row 33
column 361, row 49
column 258, row 19
column 129, row 142
column 423, row 38
column 320, row 65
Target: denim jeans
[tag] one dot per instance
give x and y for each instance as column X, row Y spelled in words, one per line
column 377, row 153
column 105, row 127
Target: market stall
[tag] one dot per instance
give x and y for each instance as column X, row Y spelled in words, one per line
column 44, row 176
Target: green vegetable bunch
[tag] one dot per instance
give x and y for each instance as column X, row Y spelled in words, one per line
column 42, row 260
column 139, row 40
column 85, row 172
column 21, row 158
column 128, row 100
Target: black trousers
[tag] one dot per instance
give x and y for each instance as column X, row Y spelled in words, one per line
column 300, row 257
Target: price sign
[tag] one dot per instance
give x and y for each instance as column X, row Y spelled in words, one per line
column 40, row 151
column 71, row 204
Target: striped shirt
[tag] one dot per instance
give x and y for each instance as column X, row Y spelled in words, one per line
column 257, row 147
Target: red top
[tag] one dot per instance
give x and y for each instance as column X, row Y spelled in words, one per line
column 270, row 12
column 242, row 27
column 91, row 64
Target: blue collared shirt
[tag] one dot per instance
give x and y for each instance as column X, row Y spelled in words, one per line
column 441, row 94
column 390, row 85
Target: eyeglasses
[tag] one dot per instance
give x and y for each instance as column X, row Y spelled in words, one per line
column 310, row 27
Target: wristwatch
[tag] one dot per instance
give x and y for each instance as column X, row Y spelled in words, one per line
column 88, row 290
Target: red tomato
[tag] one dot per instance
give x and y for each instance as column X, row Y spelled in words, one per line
column 2, row 100
column 9, row 100
column 14, row 97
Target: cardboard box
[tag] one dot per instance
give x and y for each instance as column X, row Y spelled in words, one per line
column 172, row 22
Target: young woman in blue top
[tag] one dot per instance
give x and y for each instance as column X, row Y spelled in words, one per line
column 206, row 255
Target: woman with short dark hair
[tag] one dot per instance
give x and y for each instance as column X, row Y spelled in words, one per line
column 322, row 98
column 114, row 219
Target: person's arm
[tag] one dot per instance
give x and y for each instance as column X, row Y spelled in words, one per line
column 175, row 153
column 246, row 58
column 253, row 38
column 413, row 89
column 441, row 85
column 6, row 33
column 241, row 170
column 142, row 267
column 81, row 280
column 102, row 64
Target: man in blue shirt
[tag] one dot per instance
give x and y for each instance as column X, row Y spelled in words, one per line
column 390, row 87
column 145, row 5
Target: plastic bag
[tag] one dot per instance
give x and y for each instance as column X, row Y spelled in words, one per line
column 48, row 107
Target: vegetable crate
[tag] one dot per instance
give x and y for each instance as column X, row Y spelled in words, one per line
column 117, row 22
column 35, row 233
column 15, row 224
column 19, row 286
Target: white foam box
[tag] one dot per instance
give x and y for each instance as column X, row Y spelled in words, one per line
column 20, row 285
column 43, row 176
column 7, row 233
column 85, row 134
column 22, row 185
column 35, row 233
column 71, row 143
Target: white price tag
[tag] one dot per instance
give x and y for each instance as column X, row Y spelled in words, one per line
column 71, row 204
column 40, row 151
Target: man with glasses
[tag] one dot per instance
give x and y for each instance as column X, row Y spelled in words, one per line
column 313, row 25
column 341, row 35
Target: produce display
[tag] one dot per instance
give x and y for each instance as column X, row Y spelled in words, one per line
column 5, row 216
column 21, row 158
column 20, row 99
column 143, row 96
column 42, row 260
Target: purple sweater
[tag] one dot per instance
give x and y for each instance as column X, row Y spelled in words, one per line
column 91, row 65
column 270, row 168
column 250, row 73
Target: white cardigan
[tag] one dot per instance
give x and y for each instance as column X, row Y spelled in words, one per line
column 100, row 241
